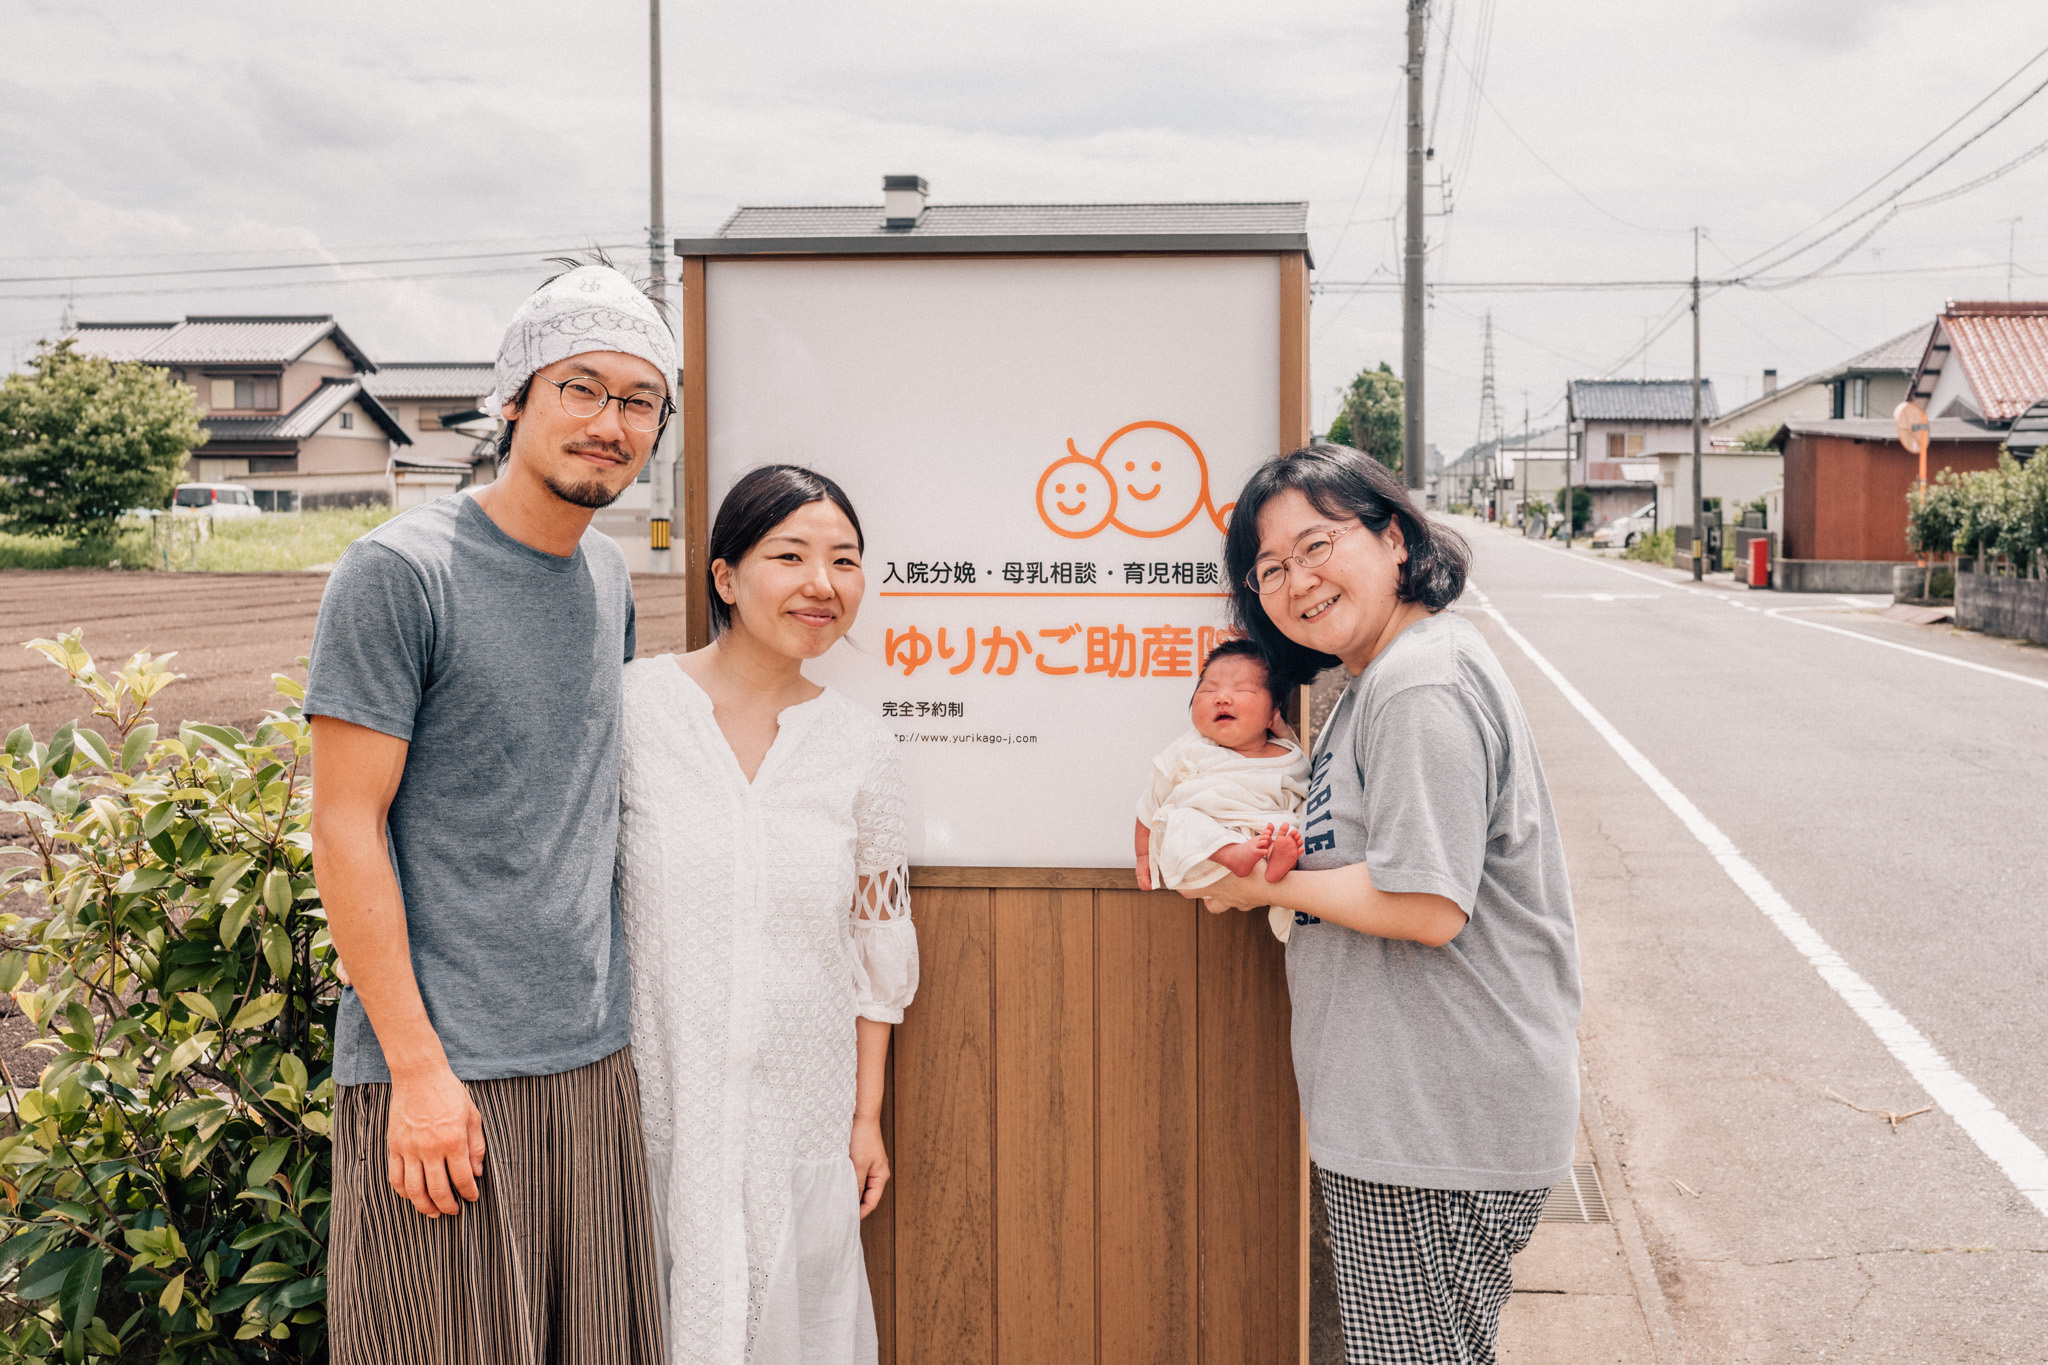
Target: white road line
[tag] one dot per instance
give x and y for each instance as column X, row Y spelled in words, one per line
column 1782, row 614
column 1779, row 613
column 2012, row 1151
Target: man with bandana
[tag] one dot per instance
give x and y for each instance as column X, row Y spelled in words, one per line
column 490, row 1186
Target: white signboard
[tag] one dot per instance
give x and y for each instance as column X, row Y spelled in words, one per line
column 1042, row 453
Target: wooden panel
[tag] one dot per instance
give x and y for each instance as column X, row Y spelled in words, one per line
column 945, row 1122
column 1294, row 393
column 1044, row 970
column 696, row 453
column 1146, row 1053
column 1112, row 878
column 878, row 1229
column 1250, row 1148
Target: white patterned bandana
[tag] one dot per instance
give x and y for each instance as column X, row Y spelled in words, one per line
column 591, row 308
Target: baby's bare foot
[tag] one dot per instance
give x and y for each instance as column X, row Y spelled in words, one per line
column 1285, row 852
column 1240, row 858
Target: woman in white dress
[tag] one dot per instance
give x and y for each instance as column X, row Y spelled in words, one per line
column 763, row 888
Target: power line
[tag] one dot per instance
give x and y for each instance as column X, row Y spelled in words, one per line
column 295, row 265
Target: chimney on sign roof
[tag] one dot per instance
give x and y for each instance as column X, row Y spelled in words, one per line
column 903, row 201
column 1770, row 382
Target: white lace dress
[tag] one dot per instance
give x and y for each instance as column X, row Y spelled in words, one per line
column 763, row 918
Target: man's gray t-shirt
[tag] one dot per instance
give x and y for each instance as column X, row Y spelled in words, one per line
column 1455, row 1067
column 503, row 668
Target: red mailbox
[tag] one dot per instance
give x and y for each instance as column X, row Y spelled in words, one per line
column 1760, row 562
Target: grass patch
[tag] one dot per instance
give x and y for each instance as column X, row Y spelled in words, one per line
column 1656, row 548
column 272, row 543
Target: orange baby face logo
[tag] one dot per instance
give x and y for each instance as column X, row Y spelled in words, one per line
column 1076, row 496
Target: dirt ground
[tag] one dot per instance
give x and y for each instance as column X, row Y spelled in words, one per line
column 230, row 631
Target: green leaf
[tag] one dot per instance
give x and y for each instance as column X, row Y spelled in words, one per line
column 221, row 735
column 277, row 894
column 287, row 687
column 187, row 1052
column 11, row 967
column 259, row 1011
column 81, row 1291
column 136, row 746
column 173, row 1297
column 225, row 879
column 306, row 1291
column 19, row 742
column 293, row 1071
column 46, row 1276
column 277, row 946
column 234, row 917
column 95, row 747
column 199, row 1004
column 192, row 1112
column 58, row 761
column 265, row 1166
column 260, row 1234
column 158, row 818
column 143, row 879
column 269, row 1272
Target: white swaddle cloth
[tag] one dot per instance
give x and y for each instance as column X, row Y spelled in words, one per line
column 1203, row 796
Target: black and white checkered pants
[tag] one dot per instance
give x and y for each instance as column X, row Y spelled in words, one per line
column 1423, row 1274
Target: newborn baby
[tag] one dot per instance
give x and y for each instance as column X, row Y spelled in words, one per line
column 1226, row 795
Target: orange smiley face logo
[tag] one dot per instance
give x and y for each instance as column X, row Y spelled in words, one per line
column 1076, row 496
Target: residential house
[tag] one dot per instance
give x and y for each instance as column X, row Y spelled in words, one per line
column 1507, row 472
column 1869, row 384
column 1629, row 440
column 440, row 405
column 1985, row 363
column 282, row 401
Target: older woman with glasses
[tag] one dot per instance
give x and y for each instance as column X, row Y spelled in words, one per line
column 1433, row 964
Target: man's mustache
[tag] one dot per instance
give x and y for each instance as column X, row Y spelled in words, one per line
column 611, row 448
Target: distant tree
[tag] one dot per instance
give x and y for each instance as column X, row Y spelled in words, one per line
column 83, row 439
column 1582, row 508
column 1340, row 429
column 1756, row 438
column 1371, row 419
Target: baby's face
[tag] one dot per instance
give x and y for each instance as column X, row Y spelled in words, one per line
column 1232, row 707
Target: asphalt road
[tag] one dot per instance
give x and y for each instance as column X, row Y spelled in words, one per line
column 1897, row 806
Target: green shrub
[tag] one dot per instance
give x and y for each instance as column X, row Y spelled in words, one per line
column 1659, row 547
column 164, row 1189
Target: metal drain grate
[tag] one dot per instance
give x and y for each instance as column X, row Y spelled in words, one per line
column 1578, row 1200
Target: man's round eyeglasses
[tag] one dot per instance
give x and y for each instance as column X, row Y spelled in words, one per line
column 1268, row 575
column 643, row 409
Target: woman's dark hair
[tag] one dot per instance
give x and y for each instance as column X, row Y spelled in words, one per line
column 762, row 500
column 1241, row 648
column 1343, row 483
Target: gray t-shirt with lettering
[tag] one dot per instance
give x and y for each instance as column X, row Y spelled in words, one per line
column 1455, row 1067
column 503, row 668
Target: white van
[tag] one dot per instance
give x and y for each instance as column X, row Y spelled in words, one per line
column 218, row 501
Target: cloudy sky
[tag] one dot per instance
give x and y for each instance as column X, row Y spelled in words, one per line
column 1583, row 141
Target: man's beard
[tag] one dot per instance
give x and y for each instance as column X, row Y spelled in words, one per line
column 592, row 493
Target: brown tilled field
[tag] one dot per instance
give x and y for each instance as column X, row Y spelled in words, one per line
column 230, row 631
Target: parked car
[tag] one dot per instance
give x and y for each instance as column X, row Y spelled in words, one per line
column 216, row 501
column 1622, row 532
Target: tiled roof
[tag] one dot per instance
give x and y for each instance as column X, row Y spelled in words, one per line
column 308, row 417
column 432, row 379
column 1640, row 400
column 121, row 340
column 1025, row 220
column 273, row 340
column 1902, row 352
column 1883, row 429
column 2004, row 350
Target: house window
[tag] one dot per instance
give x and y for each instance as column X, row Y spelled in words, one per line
column 1624, row 445
column 220, row 394
column 1859, row 397
column 1838, row 399
column 348, row 421
column 248, row 392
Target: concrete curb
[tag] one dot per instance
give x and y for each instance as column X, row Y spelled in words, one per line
column 1664, row 1340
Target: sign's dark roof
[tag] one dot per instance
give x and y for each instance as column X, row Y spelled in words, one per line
column 989, row 228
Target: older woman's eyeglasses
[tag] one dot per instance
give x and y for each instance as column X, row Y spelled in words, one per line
column 1269, row 575
column 643, row 409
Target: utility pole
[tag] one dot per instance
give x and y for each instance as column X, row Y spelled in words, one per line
column 1522, row 475
column 661, row 493
column 2012, row 227
column 1699, row 501
column 1414, row 449
column 1571, row 441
